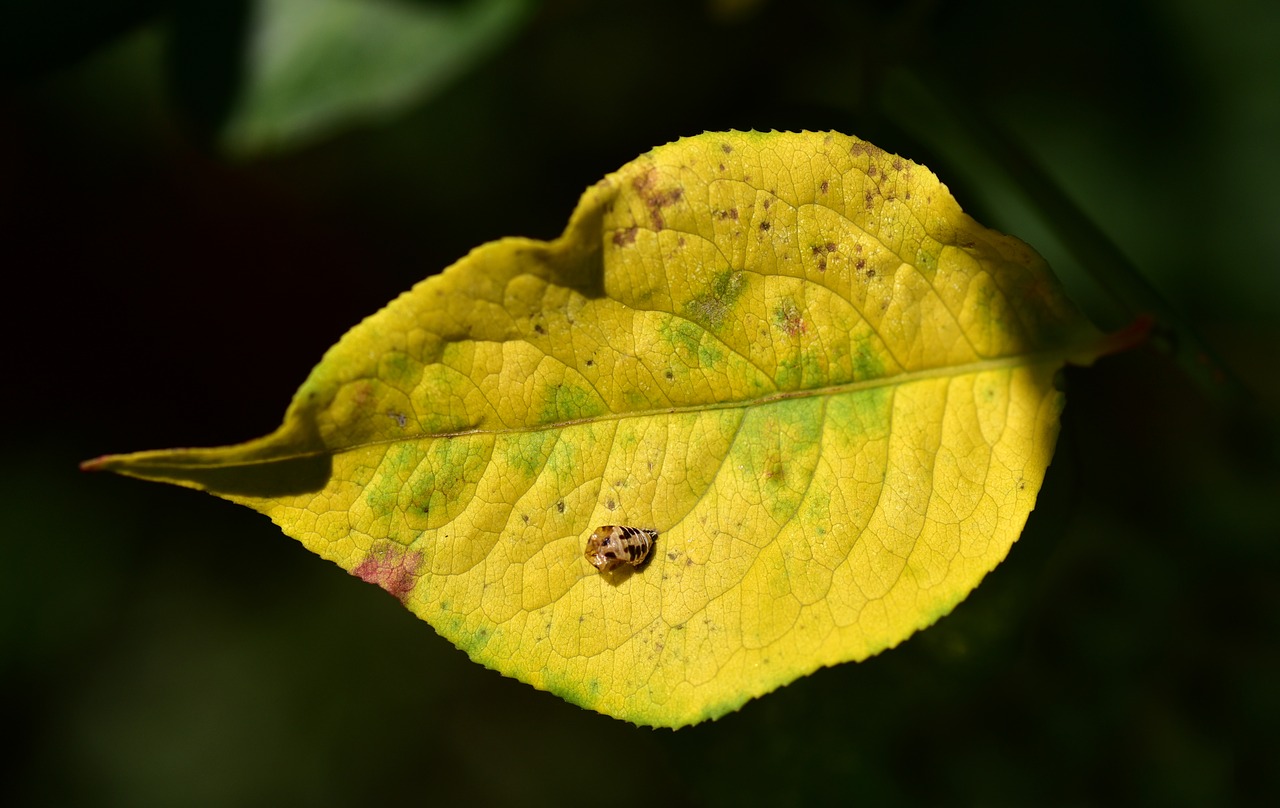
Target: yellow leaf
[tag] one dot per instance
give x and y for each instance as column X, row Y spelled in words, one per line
column 828, row 390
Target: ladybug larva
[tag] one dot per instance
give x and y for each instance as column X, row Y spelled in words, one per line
column 611, row 546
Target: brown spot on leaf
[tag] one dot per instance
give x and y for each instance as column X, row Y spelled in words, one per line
column 560, row 506
column 726, row 148
column 362, row 394
column 591, row 362
column 765, row 226
column 821, row 251
column 391, row 568
column 624, row 237
column 862, row 147
column 825, row 186
column 610, row 504
column 731, row 213
column 656, row 198
column 538, row 328
column 861, row 263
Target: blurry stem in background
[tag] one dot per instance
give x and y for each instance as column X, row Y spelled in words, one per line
column 918, row 105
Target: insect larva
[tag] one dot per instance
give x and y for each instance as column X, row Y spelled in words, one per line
column 611, row 546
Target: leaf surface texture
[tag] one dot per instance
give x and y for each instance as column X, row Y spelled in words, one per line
column 828, row 389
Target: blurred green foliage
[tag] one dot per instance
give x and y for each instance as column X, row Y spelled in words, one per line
column 163, row 294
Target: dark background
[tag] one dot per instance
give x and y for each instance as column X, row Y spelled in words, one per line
column 162, row 647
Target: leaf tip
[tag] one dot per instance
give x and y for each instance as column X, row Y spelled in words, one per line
column 100, row 463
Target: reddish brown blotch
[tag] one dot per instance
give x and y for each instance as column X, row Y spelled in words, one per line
column 391, row 568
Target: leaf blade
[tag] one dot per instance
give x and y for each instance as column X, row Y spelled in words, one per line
column 834, row 403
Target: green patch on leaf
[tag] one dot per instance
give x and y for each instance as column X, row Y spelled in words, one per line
column 711, row 308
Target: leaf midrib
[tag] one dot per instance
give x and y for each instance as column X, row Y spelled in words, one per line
column 945, row 371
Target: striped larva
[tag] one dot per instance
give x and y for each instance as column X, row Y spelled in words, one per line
column 611, row 546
